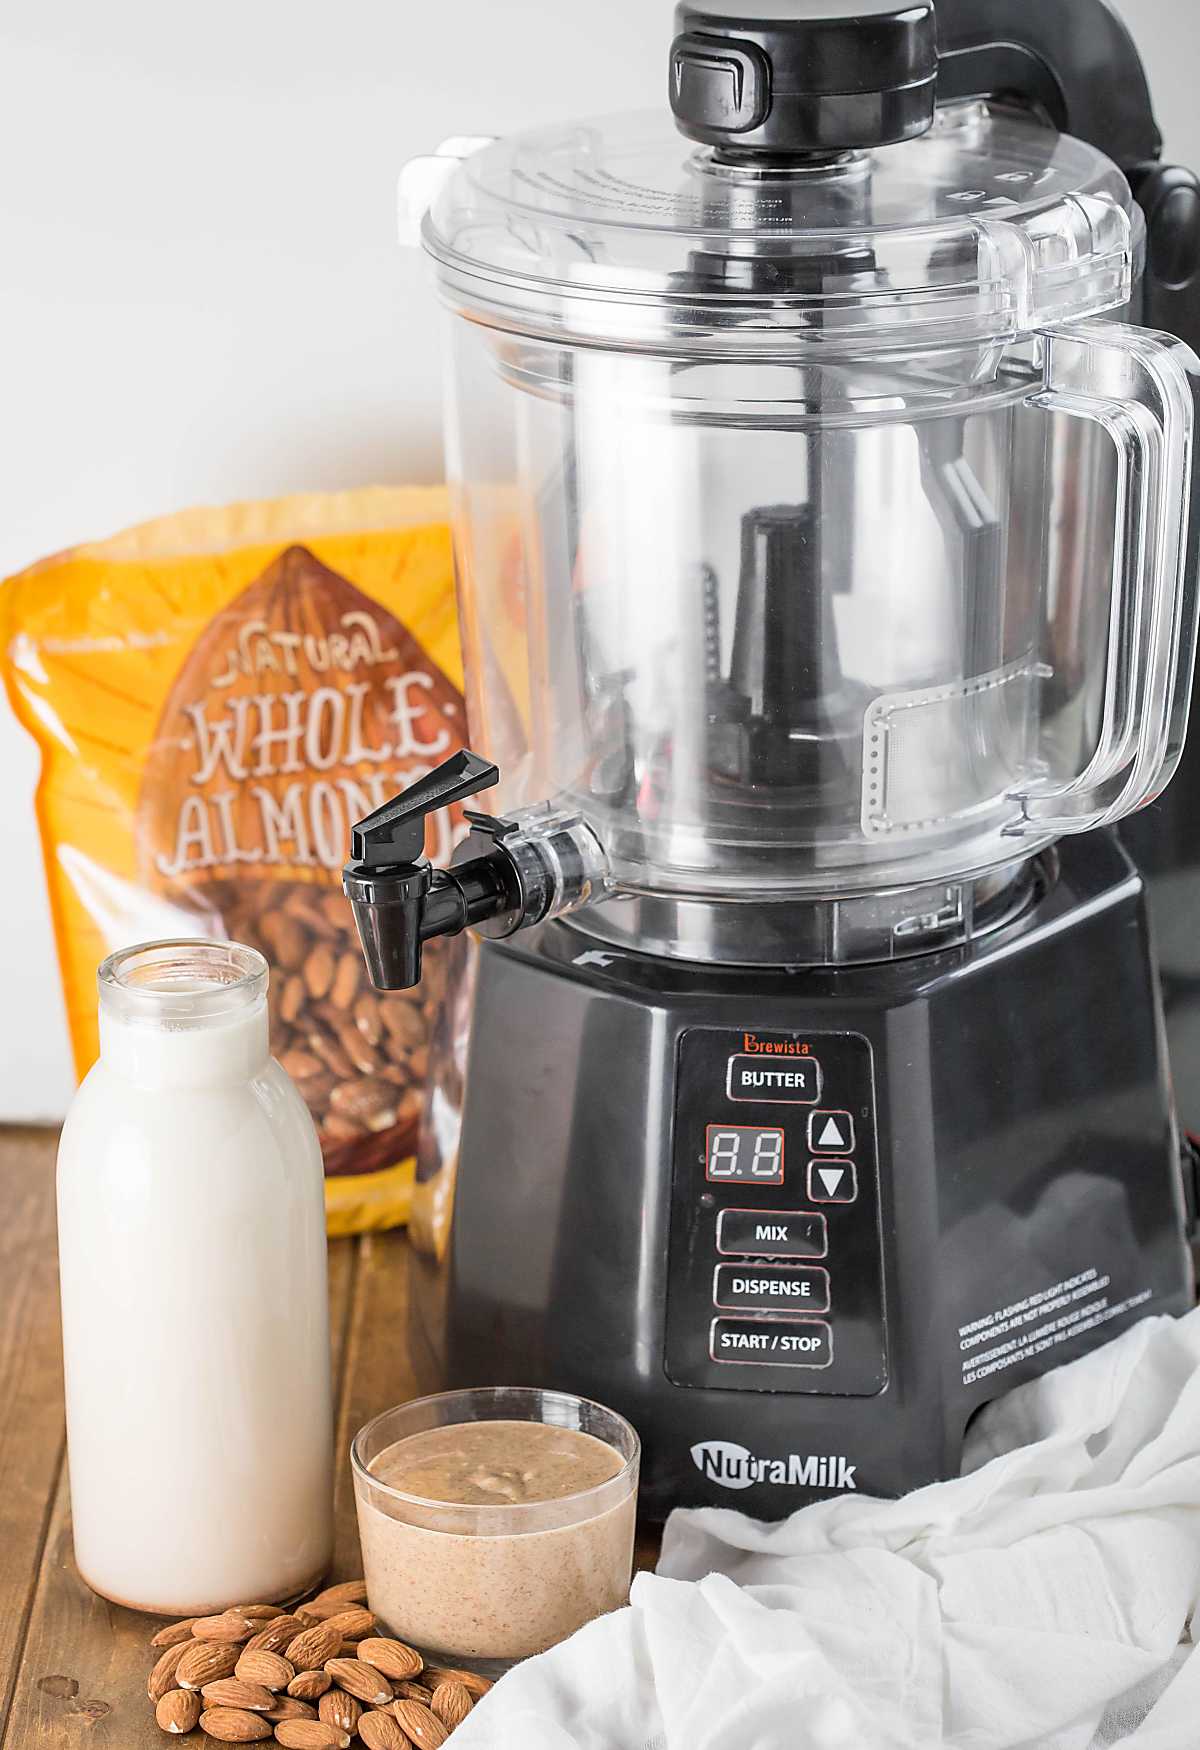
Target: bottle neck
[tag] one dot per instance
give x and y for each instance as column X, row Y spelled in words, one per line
column 213, row 1054
column 184, row 1014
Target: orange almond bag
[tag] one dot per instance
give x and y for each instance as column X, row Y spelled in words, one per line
column 217, row 696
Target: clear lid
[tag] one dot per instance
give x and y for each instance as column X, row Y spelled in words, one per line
column 623, row 232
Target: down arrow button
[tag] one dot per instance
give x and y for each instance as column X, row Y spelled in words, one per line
column 832, row 1181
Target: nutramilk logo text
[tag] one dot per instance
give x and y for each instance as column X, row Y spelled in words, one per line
column 733, row 1467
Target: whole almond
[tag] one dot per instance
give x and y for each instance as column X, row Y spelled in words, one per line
column 205, row 1662
column 233, row 1725
column 300, row 1065
column 366, row 1019
column 337, row 1708
column 317, row 1609
column 258, row 1612
column 311, row 1735
column 177, row 1710
column 275, row 1637
column 162, row 1678
column 419, row 1723
column 312, row 1646
column 470, row 1680
column 379, row 1731
column 414, row 1691
column 272, row 1670
column 360, row 1680
column 289, row 1707
column 451, row 1703
column 173, row 1633
column 344, row 1593
column 232, row 1692
column 392, row 1657
column 319, row 968
column 285, row 936
column 228, row 1626
column 352, row 1624
column 308, row 1685
column 346, row 979
column 292, row 1000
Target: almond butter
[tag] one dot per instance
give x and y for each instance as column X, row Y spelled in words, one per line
column 233, row 1725
column 275, row 1637
column 470, row 1680
column 337, row 1708
column 360, row 1680
column 312, row 1646
column 419, row 1723
column 173, row 1633
column 232, row 1692
column 257, row 1665
column 309, row 1685
column 451, row 1703
column 379, row 1731
column 230, row 1626
column 177, row 1711
column 392, row 1657
column 204, row 1662
column 311, row 1735
column 163, row 1678
column 290, row 1707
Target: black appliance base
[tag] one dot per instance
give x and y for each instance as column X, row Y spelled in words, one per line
column 800, row 1226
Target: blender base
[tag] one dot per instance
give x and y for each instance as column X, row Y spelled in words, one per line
column 648, row 1206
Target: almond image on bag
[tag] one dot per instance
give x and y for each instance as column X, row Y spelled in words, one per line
column 217, row 697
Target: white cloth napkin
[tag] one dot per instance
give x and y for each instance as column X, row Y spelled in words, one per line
column 1038, row 1602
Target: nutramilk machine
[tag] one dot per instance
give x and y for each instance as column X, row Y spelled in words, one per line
column 828, row 593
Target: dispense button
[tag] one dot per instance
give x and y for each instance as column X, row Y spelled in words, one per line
column 771, row 1288
column 771, row 1233
column 786, row 1081
column 772, row 1342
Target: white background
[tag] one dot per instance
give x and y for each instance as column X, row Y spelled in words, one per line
column 201, row 298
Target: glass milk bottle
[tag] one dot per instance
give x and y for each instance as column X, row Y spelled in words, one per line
column 191, row 1230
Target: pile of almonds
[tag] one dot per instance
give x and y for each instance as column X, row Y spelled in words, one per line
column 312, row 1680
column 358, row 1058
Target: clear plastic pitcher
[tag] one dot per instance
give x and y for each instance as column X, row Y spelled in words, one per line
column 821, row 526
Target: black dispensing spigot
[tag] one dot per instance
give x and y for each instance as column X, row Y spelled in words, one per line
column 400, row 900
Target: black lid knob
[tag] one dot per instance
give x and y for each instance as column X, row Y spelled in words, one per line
column 803, row 76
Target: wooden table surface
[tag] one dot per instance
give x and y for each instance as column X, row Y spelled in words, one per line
column 72, row 1666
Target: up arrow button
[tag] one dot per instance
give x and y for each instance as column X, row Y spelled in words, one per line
column 830, row 1132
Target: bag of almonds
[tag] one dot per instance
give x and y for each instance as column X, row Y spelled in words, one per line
column 217, row 696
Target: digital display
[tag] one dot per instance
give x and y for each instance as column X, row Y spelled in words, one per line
column 743, row 1155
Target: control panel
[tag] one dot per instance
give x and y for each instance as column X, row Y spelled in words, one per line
column 774, row 1279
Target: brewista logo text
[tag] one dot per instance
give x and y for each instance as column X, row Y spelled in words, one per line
column 735, row 1468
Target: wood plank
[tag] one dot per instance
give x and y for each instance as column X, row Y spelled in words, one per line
column 85, row 1661
column 378, row 1370
column 31, row 1424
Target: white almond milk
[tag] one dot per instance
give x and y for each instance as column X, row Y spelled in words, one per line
column 195, row 1326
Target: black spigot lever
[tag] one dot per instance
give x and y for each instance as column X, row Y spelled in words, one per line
column 395, row 833
column 398, row 898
